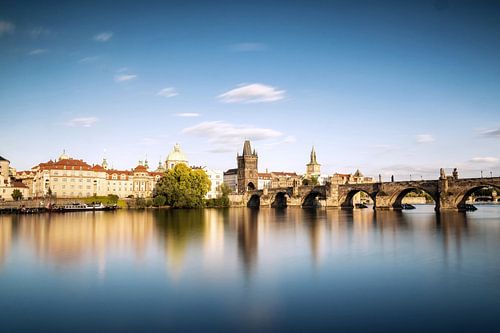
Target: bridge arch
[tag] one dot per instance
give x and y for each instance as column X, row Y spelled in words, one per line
column 254, row 201
column 396, row 199
column 347, row 202
column 311, row 200
column 461, row 198
column 280, row 200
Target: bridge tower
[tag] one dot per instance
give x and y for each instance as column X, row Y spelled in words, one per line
column 313, row 167
column 248, row 175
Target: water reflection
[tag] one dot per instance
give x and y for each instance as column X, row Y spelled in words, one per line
column 253, row 269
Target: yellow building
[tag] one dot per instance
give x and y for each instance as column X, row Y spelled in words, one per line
column 74, row 178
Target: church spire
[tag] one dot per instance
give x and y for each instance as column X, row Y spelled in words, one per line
column 313, row 156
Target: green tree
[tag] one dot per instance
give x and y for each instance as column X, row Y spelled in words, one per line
column 17, row 195
column 183, row 187
column 159, row 200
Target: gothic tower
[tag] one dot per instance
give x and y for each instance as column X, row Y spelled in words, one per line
column 248, row 175
column 313, row 167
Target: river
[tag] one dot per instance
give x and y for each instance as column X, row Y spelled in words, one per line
column 251, row 270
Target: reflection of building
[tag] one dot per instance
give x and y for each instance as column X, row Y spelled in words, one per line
column 248, row 175
column 175, row 157
column 231, row 179
column 8, row 183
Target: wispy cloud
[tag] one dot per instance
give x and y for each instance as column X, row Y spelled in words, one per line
column 248, row 47
column 39, row 32
column 227, row 137
column 125, row 77
column 424, row 138
column 491, row 133
column 37, row 51
column 168, row 92
column 484, row 160
column 103, row 36
column 6, row 28
column 188, row 114
column 83, row 122
column 252, row 93
column 88, row 60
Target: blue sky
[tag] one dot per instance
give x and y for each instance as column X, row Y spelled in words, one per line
column 390, row 87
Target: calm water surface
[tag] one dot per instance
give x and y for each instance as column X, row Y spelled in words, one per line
column 252, row 270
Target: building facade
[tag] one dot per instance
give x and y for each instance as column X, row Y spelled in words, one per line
column 8, row 182
column 231, row 179
column 74, row 178
column 248, row 175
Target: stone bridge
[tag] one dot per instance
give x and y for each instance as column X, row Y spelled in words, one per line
column 449, row 193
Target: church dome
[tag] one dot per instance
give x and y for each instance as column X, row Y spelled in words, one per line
column 176, row 156
column 64, row 156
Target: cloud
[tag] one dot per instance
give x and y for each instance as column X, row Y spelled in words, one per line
column 227, row 137
column 188, row 114
column 484, row 160
column 125, row 77
column 83, row 122
column 39, row 32
column 424, row 138
column 248, row 47
column 103, row 36
column 88, row 60
column 37, row 51
column 6, row 28
column 252, row 93
column 168, row 92
column 491, row 133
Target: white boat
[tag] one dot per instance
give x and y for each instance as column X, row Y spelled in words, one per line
column 80, row 207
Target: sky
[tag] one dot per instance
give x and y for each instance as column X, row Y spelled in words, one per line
column 390, row 87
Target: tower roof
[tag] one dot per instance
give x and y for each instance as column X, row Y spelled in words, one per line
column 247, row 148
column 3, row 159
column 313, row 156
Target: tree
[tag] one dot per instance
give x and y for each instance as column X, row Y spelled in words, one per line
column 159, row 200
column 17, row 195
column 183, row 187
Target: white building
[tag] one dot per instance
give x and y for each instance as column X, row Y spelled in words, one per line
column 217, row 179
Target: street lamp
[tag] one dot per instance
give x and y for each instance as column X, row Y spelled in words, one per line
column 481, row 173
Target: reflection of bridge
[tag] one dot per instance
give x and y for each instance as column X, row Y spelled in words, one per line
column 449, row 193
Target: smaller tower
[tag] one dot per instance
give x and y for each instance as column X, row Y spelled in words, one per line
column 313, row 167
column 105, row 164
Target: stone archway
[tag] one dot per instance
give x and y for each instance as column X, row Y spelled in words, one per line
column 254, row 201
column 312, row 200
column 347, row 202
column 396, row 200
column 251, row 186
column 461, row 198
column 280, row 200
